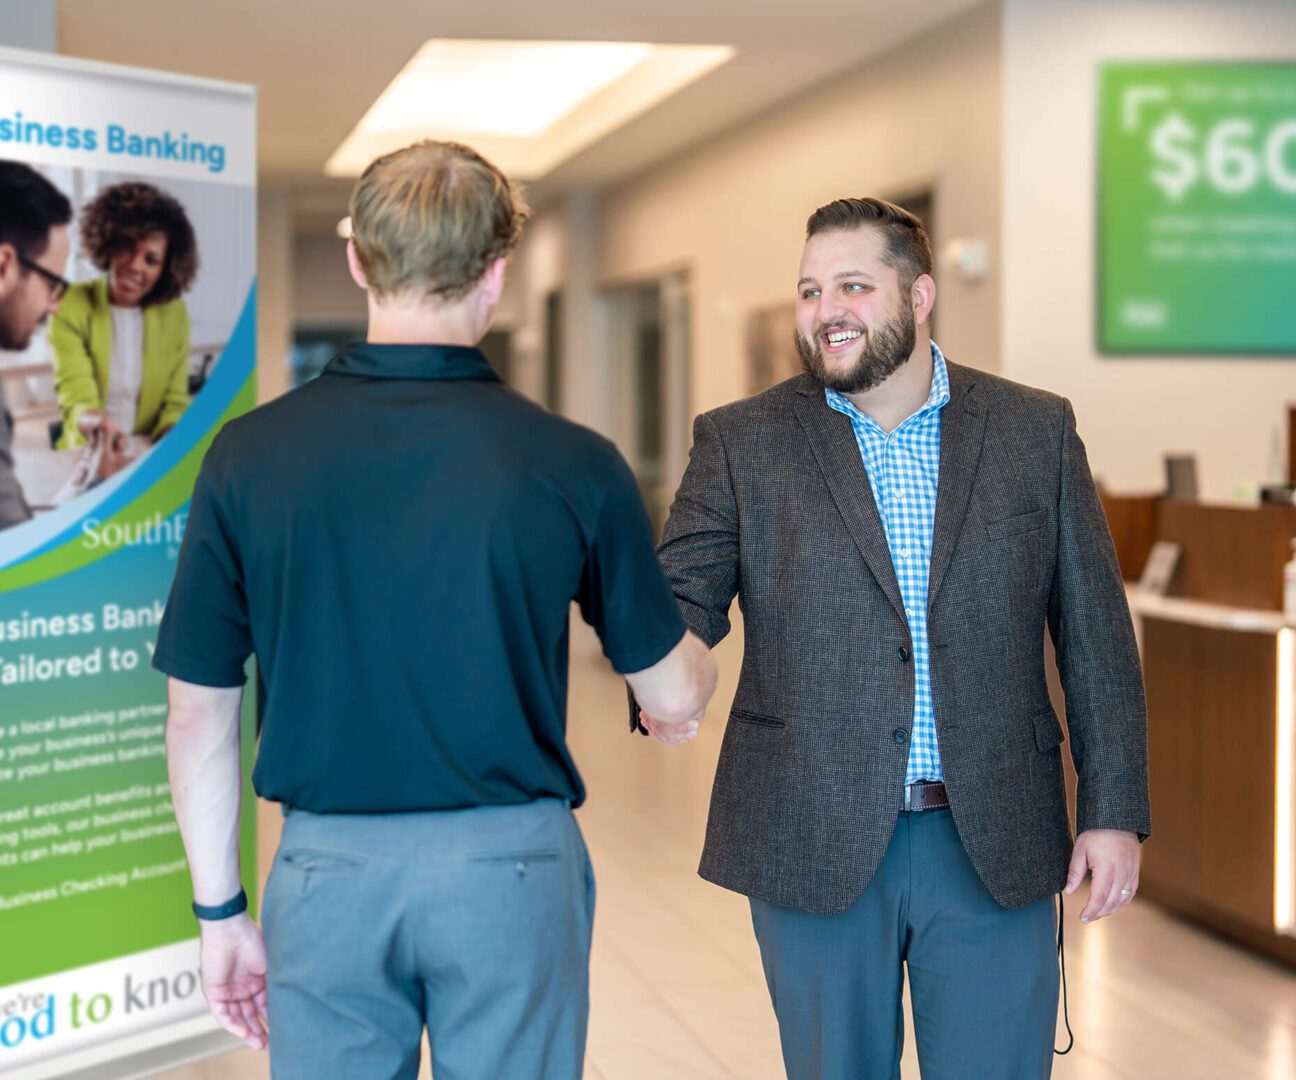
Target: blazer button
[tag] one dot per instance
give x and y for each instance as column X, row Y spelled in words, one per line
column 904, row 654
column 900, row 736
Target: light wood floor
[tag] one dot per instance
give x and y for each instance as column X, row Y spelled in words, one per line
column 677, row 987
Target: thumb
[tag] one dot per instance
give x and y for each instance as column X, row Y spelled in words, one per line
column 1079, row 867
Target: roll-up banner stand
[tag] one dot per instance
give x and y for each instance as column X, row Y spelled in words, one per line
column 98, row 947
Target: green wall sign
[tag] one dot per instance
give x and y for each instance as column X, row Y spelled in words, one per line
column 1197, row 208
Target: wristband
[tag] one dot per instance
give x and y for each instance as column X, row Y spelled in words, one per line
column 227, row 910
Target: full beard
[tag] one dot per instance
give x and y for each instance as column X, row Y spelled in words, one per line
column 884, row 351
column 11, row 340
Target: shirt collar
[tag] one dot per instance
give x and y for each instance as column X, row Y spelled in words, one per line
column 369, row 361
column 937, row 398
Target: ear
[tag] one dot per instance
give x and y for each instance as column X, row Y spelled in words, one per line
column 10, row 268
column 922, row 297
column 353, row 264
column 492, row 282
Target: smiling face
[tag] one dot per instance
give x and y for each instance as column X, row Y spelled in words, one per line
column 855, row 320
column 132, row 273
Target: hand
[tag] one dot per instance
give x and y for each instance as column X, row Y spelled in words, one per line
column 670, row 732
column 88, row 423
column 1112, row 856
column 113, row 448
column 234, row 977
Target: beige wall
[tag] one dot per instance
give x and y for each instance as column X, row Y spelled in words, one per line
column 733, row 212
column 1229, row 411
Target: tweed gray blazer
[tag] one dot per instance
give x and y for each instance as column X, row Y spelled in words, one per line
column 776, row 509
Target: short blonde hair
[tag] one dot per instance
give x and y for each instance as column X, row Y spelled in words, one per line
column 431, row 218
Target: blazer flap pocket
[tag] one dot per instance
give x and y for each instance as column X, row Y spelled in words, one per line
column 1018, row 523
column 1048, row 731
column 742, row 716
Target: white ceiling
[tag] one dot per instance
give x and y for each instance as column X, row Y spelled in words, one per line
column 319, row 64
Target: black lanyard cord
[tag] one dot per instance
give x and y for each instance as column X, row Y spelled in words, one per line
column 1066, row 1016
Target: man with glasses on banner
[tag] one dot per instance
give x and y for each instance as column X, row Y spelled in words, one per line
column 34, row 218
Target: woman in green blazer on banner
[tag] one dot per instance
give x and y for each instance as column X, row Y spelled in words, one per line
column 121, row 342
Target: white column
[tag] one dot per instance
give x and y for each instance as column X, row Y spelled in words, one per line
column 587, row 395
column 274, row 291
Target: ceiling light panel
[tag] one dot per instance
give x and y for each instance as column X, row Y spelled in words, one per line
column 529, row 105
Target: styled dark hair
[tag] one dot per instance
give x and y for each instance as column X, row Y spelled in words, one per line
column 121, row 216
column 29, row 207
column 908, row 248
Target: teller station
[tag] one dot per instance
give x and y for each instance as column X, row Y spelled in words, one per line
column 1219, row 662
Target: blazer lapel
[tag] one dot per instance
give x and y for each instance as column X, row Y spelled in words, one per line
column 962, row 433
column 833, row 442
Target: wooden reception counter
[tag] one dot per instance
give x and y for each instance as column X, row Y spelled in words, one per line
column 1219, row 661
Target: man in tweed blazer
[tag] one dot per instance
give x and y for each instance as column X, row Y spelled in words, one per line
column 899, row 532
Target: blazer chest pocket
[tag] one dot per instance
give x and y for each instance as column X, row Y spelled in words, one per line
column 1017, row 523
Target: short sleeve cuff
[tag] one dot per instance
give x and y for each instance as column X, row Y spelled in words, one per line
column 199, row 672
column 628, row 661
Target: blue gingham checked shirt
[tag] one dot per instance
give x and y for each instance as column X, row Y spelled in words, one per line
column 903, row 468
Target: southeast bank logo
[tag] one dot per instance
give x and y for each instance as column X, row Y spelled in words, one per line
column 33, row 1020
column 157, row 531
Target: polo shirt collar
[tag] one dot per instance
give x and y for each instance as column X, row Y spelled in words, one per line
column 369, row 361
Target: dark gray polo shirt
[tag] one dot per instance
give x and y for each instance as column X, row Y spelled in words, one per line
column 399, row 542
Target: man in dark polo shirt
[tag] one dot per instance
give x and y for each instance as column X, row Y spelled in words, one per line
column 399, row 543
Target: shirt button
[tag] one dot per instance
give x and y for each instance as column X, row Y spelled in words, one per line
column 900, row 736
column 903, row 653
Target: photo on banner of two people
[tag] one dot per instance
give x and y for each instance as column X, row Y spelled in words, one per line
column 124, row 332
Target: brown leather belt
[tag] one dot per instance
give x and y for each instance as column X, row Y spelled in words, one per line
column 925, row 795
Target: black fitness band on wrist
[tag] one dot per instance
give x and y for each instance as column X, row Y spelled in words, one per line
column 227, row 910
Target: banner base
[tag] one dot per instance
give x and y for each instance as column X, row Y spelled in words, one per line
column 140, row 1056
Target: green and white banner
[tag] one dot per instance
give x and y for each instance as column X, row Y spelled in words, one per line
column 1197, row 208
column 98, row 948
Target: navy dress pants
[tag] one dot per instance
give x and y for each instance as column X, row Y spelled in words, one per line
column 983, row 980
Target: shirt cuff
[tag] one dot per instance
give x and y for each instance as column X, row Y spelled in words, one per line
column 199, row 672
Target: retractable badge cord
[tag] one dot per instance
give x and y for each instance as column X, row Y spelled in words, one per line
column 1066, row 1016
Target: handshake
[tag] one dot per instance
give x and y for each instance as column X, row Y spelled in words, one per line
column 669, row 698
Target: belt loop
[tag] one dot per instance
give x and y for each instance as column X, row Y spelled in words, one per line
column 908, row 797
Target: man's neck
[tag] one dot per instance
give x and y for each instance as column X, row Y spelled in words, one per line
column 403, row 321
column 902, row 393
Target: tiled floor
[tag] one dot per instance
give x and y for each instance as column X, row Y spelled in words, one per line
column 676, row 982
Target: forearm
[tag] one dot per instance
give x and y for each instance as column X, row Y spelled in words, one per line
column 677, row 688
column 205, row 768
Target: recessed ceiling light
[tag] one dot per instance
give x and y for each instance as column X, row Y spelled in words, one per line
column 498, row 87
column 528, row 105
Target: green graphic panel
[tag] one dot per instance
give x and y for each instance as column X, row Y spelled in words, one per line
column 91, row 862
column 1197, row 208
